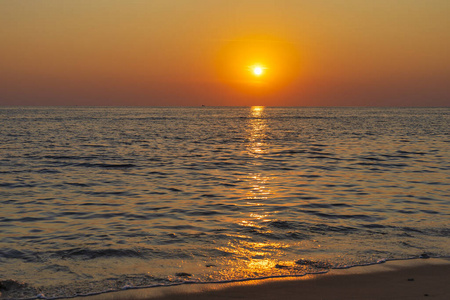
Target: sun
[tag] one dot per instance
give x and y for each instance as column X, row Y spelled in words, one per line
column 257, row 70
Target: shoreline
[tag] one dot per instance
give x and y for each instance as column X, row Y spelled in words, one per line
column 396, row 279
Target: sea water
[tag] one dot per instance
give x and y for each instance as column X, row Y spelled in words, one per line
column 95, row 199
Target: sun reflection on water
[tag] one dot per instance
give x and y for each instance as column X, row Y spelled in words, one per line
column 259, row 190
column 255, row 258
column 252, row 253
column 257, row 132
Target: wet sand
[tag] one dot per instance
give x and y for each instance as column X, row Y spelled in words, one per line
column 406, row 279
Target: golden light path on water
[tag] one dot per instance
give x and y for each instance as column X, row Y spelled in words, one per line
column 252, row 259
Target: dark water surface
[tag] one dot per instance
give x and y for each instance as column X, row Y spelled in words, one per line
column 98, row 199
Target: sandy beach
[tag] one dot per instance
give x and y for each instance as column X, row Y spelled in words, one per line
column 406, row 279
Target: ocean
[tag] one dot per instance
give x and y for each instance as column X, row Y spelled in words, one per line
column 98, row 199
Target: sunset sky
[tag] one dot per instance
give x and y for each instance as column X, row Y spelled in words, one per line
column 204, row 52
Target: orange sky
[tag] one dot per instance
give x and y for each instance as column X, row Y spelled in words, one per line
column 194, row 52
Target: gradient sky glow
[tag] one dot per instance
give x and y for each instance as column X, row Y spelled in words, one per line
column 194, row 52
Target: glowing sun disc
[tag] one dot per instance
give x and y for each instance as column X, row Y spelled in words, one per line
column 257, row 71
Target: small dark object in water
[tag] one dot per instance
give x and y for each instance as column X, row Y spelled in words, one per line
column 281, row 266
column 182, row 274
column 426, row 295
column 424, row 256
column 410, row 279
column 210, row 265
column 312, row 263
